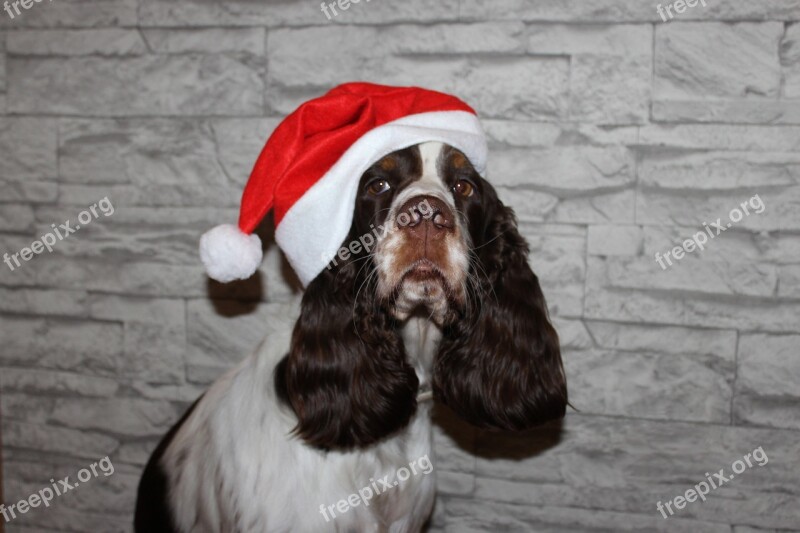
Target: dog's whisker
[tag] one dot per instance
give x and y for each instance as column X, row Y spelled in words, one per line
column 500, row 234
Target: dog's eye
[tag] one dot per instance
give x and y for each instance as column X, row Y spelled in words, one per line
column 378, row 187
column 464, row 188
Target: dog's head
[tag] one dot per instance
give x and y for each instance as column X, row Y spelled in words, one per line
column 429, row 238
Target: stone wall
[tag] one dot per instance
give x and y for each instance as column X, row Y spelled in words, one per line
column 614, row 135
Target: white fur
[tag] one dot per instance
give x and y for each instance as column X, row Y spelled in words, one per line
column 242, row 470
column 229, row 254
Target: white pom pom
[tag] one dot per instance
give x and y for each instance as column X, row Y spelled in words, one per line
column 228, row 253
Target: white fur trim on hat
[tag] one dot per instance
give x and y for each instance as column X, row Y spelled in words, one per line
column 320, row 220
column 229, row 254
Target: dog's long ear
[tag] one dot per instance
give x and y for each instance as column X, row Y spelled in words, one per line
column 347, row 377
column 499, row 365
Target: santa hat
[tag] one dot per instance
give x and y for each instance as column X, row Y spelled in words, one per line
column 309, row 171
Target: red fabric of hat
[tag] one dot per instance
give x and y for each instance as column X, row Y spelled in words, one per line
column 310, row 167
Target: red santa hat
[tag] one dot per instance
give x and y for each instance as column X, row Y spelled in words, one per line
column 309, row 171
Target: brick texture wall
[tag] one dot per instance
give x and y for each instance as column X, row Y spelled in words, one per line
column 614, row 135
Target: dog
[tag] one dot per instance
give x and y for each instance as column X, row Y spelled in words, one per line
column 438, row 305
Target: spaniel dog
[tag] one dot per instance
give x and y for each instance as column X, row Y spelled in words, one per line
column 436, row 301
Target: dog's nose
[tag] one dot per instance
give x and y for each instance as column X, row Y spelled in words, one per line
column 426, row 217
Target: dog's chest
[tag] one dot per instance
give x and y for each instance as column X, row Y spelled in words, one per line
column 408, row 492
column 385, row 488
column 235, row 465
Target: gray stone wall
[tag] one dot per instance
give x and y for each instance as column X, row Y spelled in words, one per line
column 615, row 136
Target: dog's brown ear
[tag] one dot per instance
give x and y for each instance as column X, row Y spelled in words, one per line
column 499, row 366
column 347, row 377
